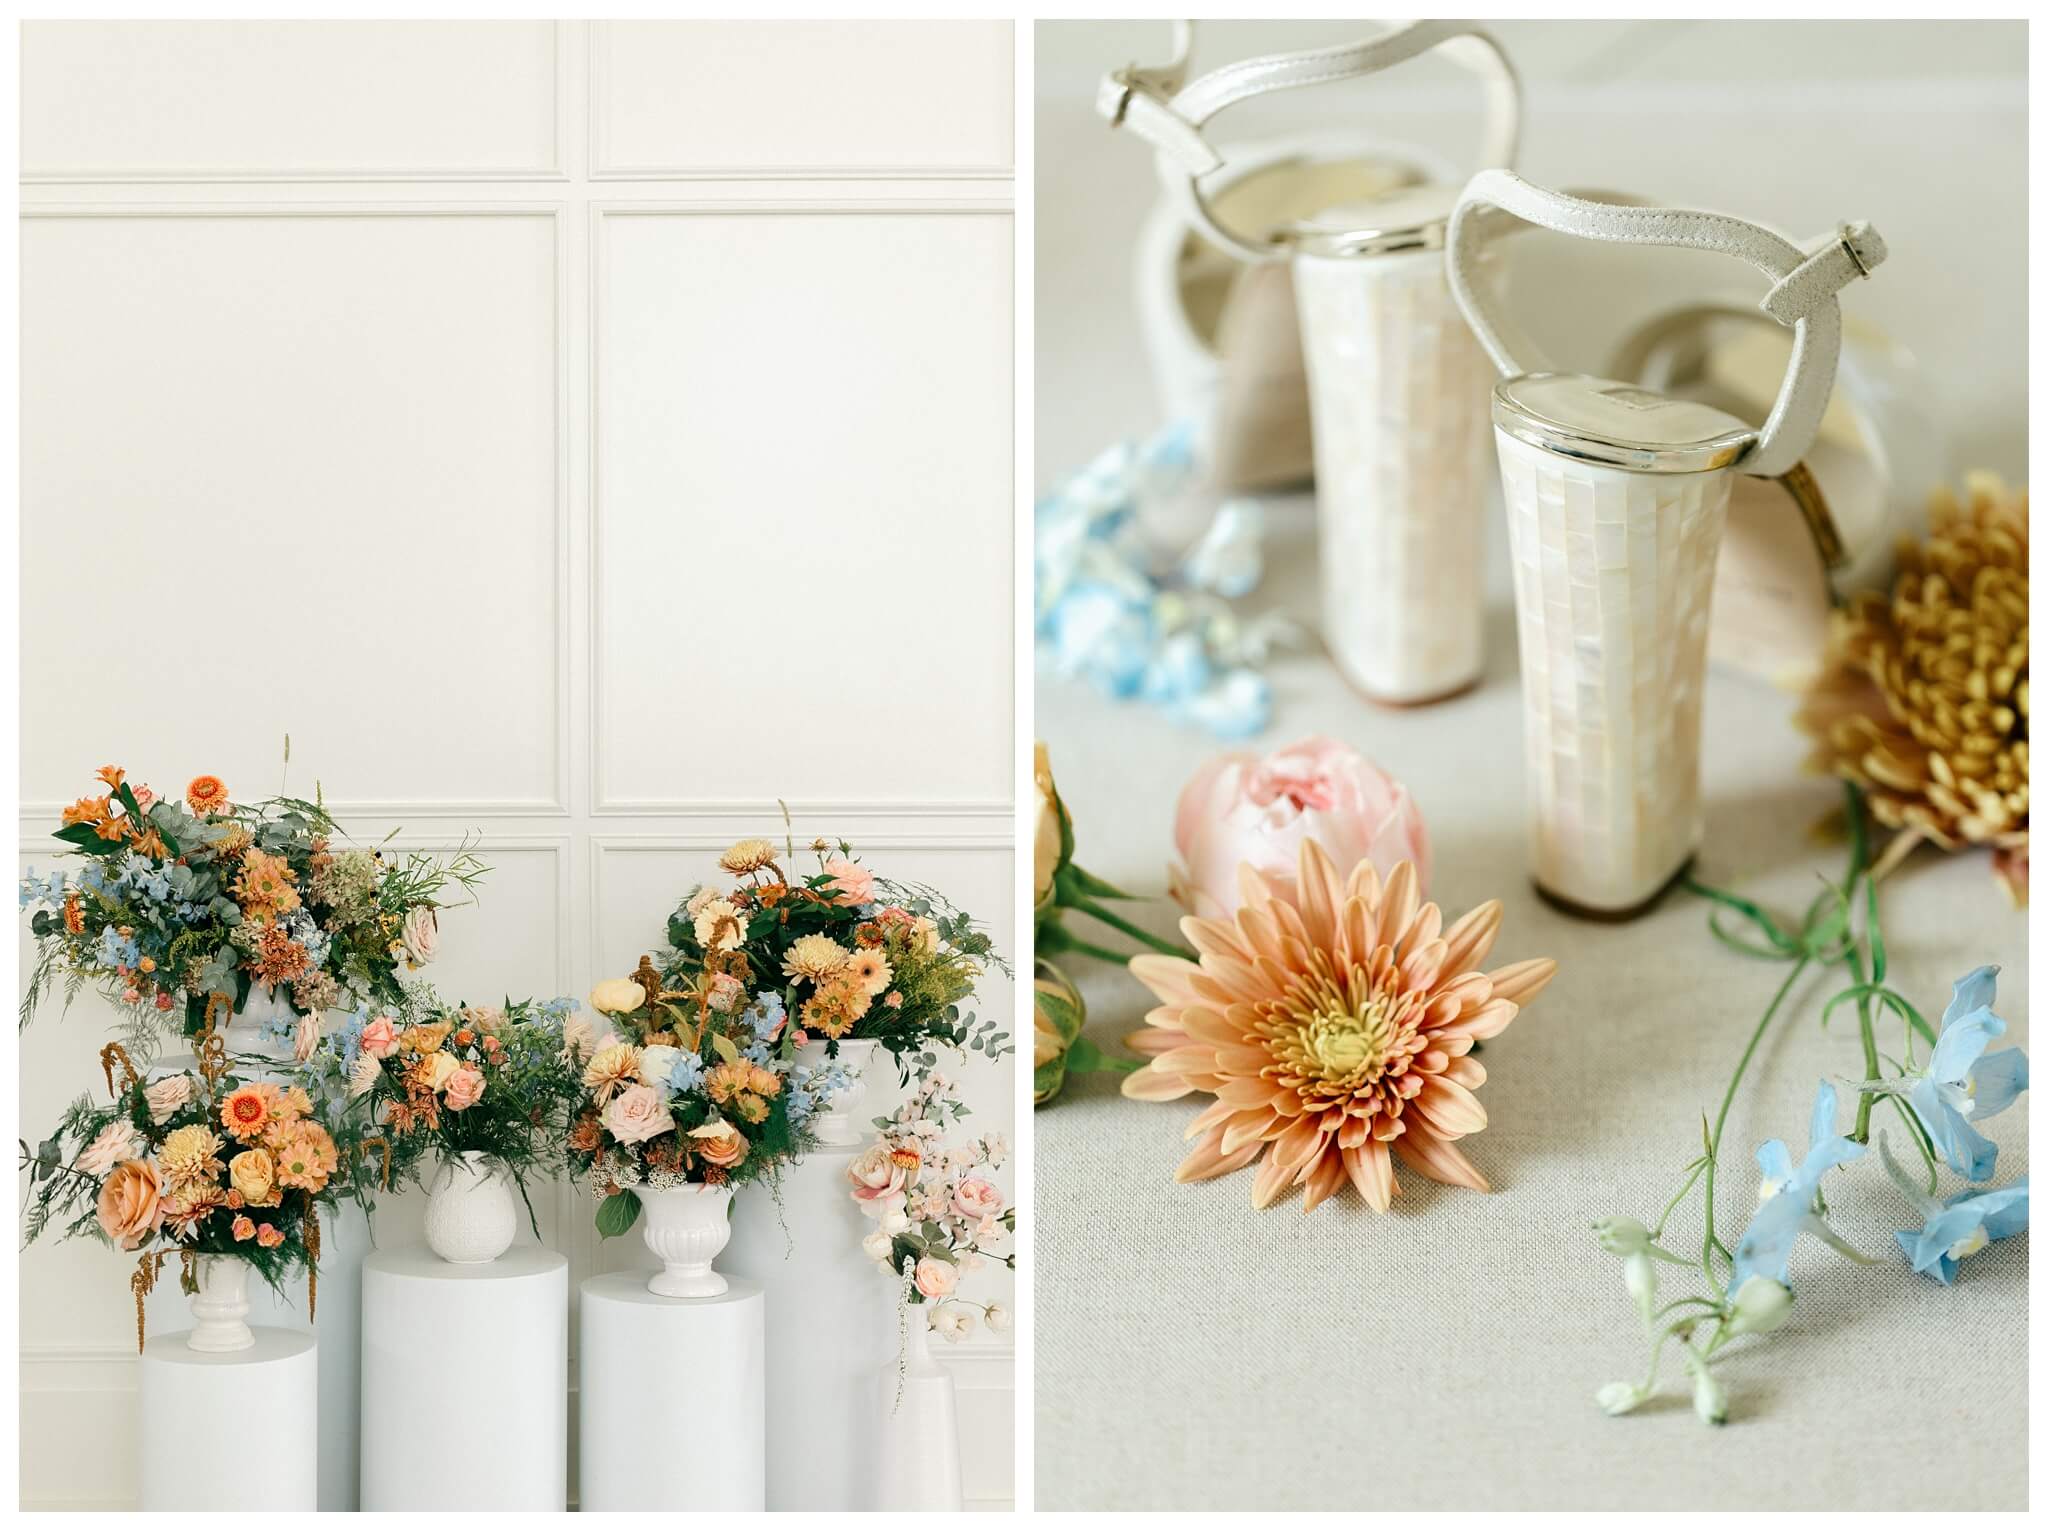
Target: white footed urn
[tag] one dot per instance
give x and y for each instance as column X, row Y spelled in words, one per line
column 251, row 1030
column 919, row 1466
column 470, row 1213
column 686, row 1226
column 837, row 1121
column 220, row 1308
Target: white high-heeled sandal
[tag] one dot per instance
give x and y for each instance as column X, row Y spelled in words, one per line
column 1616, row 497
column 1395, row 381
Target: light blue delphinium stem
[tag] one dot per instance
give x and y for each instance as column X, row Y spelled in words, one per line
column 1712, row 1243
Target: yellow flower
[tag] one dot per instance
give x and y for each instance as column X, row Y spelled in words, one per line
column 189, row 1155
column 814, row 957
column 719, row 926
column 870, row 969
column 611, row 1068
column 747, row 856
column 253, row 1173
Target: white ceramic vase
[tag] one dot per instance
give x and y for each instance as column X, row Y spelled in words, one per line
column 920, row 1449
column 245, row 1032
column 1398, row 388
column 686, row 1226
column 1614, row 579
column 837, row 1120
column 220, row 1308
column 471, row 1216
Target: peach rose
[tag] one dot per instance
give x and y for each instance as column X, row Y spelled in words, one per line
column 719, row 1143
column 975, row 1199
column 935, row 1278
column 131, row 1205
column 167, row 1095
column 440, row 1068
column 1240, row 808
column 421, row 935
column 269, row 1237
column 877, row 1180
column 254, row 1175
column 380, row 1037
column 465, row 1088
column 243, row 1229
column 851, row 883
column 636, row 1114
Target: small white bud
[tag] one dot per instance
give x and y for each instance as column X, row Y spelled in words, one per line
column 998, row 1318
column 1619, row 1397
column 1622, row 1235
column 1761, row 1305
column 1709, row 1400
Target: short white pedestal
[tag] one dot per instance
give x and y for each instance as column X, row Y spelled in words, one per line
column 484, row 1349
column 193, row 1460
column 641, row 1357
column 834, row 1334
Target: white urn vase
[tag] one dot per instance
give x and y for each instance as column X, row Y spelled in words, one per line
column 837, row 1121
column 253, row 1030
column 686, row 1226
column 919, row 1467
column 220, row 1308
column 470, row 1213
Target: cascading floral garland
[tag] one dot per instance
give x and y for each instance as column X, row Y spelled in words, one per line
column 1747, row 1289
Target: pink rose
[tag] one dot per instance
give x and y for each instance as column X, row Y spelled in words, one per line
column 380, row 1037
column 1239, row 808
column 466, row 1088
column 877, row 1180
column 935, row 1278
column 851, row 882
column 975, row 1199
column 636, row 1114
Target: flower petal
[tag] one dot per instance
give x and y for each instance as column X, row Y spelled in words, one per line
column 1438, row 1160
column 1522, row 981
column 1468, row 941
column 1372, row 1171
column 1208, row 1160
column 1149, row 1083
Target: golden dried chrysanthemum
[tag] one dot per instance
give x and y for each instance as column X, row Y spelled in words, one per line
column 1333, row 1022
column 1922, row 699
column 746, row 856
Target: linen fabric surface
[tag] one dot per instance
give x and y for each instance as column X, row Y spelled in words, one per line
column 1195, row 1353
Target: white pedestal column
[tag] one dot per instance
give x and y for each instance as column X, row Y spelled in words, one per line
column 337, row 1319
column 634, row 1350
column 192, row 1460
column 833, row 1337
column 919, row 1466
column 483, row 1345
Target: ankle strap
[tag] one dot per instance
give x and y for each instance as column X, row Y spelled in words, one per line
column 1802, row 295
column 1163, row 108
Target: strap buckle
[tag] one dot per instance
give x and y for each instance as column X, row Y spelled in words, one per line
column 1847, row 234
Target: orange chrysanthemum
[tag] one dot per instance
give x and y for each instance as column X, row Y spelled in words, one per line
column 206, row 794
column 1332, row 1025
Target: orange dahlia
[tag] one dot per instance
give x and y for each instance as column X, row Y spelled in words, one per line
column 1332, row 1023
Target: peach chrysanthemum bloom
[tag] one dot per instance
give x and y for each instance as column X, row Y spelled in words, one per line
column 1332, row 1025
column 747, row 856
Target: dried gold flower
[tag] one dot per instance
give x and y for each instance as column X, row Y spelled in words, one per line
column 1922, row 700
column 747, row 856
column 1332, row 1022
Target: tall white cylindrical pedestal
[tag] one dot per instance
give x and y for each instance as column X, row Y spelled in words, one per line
column 486, row 1345
column 337, row 1319
column 635, row 1350
column 192, row 1460
column 833, row 1336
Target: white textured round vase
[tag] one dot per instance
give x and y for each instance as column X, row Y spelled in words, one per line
column 920, row 1456
column 470, row 1213
column 837, row 1120
column 248, row 1032
column 220, row 1308
column 1398, row 389
column 1614, row 582
column 686, row 1226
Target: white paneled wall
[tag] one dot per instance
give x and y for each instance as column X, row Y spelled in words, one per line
column 575, row 436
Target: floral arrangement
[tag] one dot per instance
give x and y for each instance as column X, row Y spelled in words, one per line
column 1936, row 1097
column 1347, row 1036
column 427, row 1079
column 939, row 1213
column 1109, row 608
column 181, row 901
column 848, row 955
column 1922, row 697
column 683, row 1084
column 194, row 1163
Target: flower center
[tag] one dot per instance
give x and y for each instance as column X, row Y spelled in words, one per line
column 1969, row 1243
column 1329, row 1034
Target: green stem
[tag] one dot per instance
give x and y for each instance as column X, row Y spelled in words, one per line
column 1859, row 864
column 1115, row 921
column 1672, row 1205
column 1710, row 1243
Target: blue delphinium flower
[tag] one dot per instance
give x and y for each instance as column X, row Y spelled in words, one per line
column 117, row 950
column 1953, row 1230
column 764, row 1016
column 555, row 1012
column 48, row 891
column 1787, row 1194
column 685, row 1074
column 346, row 1040
column 1962, row 1083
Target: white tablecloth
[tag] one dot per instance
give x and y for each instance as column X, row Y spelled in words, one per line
column 1194, row 1353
